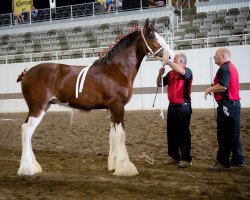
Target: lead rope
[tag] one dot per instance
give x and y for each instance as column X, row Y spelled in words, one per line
column 211, row 77
column 162, row 90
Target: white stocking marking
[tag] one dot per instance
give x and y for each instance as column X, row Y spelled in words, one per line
column 118, row 153
column 28, row 164
column 112, row 149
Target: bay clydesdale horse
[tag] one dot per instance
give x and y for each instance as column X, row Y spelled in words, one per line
column 106, row 84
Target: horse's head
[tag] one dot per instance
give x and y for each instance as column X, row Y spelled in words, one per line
column 155, row 44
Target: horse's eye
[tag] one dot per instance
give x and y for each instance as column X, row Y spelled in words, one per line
column 151, row 35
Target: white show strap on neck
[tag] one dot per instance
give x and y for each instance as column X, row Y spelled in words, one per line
column 81, row 75
column 150, row 50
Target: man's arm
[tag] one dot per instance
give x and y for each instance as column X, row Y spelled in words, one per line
column 213, row 89
column 176, row 67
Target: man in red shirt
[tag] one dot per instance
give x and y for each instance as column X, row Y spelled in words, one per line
column 179, row 81
column 226, row 93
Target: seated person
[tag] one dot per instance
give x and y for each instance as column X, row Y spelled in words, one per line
column 25, row 15
column 20, row 18
column 34, row 12
column 108, row 5
column 118, row 4
column 159, row 3
column 101, row 5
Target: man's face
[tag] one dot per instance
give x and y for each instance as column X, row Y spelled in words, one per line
column 218, row 58
column 178, row 59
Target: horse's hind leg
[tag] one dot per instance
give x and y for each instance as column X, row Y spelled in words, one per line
column 28, row 164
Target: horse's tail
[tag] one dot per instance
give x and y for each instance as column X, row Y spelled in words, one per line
column 20, row 76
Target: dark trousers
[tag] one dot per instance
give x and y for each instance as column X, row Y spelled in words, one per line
column 228, row 133
column 178, row 132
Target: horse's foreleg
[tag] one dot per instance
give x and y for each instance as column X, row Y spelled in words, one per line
column 123, row 166
column 28, row 164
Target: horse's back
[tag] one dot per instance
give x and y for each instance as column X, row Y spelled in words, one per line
column 45, row 69
column 47, row 72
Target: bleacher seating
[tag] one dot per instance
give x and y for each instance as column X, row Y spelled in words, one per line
column 211, row 29
column 215, row 28
column 77, row 37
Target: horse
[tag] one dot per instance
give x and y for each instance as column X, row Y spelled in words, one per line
column 107, row 84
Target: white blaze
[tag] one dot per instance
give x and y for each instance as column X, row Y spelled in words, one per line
column 166, row 47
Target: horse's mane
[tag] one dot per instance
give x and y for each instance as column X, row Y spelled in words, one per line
column 123, row 43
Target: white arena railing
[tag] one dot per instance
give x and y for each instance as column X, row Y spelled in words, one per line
column 76, row 11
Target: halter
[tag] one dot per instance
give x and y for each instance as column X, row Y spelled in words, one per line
column 150, row 50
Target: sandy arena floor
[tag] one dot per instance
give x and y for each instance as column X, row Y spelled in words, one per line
column 74, row 159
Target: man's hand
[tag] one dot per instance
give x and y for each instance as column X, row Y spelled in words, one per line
column 161, row 71
column 208, row 92
column 215, row 88
column 165, row 58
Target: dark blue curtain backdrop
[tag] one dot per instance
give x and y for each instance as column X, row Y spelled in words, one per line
column 71, row 2
column 133, row 4
column 41, row 4
column 6, row 6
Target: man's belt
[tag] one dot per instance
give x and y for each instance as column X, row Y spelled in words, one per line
column 179, row 104
column 226, row 101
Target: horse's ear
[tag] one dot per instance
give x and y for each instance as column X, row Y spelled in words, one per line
column 147, row 22
column 153, row 23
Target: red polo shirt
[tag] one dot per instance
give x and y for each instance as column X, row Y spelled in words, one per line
column 227, row 76
column 179, row 86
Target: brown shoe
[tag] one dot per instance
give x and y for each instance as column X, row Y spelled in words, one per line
column 219, row 168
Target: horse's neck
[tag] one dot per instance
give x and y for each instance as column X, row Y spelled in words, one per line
column 132, row 63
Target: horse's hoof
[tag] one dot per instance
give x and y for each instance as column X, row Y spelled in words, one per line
column 38, row 166
column 126, row 173
column 28, row 170
column 128, row 169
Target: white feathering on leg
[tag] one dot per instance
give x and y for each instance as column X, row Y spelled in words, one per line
column 112, row 149
column 28, row 164
column 123, row 165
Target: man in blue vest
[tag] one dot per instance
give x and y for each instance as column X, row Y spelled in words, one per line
column 179, row 81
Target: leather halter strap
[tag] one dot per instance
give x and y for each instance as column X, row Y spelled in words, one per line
column 149, row 48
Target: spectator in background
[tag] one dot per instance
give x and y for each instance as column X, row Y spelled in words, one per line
column 24, row 15
column 108, row 5
column 34, row 13
column 20, row 18
column 159, row 3
column 118, row 4
column 103, row 4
